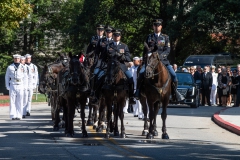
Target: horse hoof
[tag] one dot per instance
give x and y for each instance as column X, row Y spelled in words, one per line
column 104, row 127
column 55, row 128
column 89, row 123
column 69, row 135
column 165, row 136
column 116, row 133
column 155, row 133
column 94, row 127
column 123, row 135
column 107, row 136
column 84, row 135
column 149, row 136
column 144, row 133
column 99, row 130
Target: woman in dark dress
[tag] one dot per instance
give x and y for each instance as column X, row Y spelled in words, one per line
column 224, row 84
column 234, row 86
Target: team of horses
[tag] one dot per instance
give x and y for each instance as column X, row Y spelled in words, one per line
column 62, row 80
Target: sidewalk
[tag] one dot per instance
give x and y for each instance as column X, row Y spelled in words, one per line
column 228, row 118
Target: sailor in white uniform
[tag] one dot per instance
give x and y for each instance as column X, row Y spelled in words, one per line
column 32, row 81
column 25, row 88
column 14, row 79
column 137, row 108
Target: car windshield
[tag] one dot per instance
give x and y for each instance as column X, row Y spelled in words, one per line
column 198, row 60
column 184, row 79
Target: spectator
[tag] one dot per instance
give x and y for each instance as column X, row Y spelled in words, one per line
column 184, row 70
column 207, row 81
column 175, row 67
column 238, row 69
column 197, row 74
column 214, row 87
column 234, row 86
column 223, row 82
column 219, row 100
column 192, row 70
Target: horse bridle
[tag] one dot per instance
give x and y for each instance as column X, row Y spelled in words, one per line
column 153, row 68
column 75, row 73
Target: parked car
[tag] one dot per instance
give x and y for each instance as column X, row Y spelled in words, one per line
column 189, row 89
column 212, row 60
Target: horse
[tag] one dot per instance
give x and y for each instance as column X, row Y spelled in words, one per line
column 93, row 108
column 70, row 80
column 157, row 88
column 114, row 92
column 47, row 82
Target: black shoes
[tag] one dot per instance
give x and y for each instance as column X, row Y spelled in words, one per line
column 23, row 116
column 16, row 119
column 28, row 114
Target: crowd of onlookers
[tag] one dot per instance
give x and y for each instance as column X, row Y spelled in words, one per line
column 218, row 85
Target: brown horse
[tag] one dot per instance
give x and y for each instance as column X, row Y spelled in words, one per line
column 48, row 81
column 157, row 88
column 114, row 94
column 70, row 82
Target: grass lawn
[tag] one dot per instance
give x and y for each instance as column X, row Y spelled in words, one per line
column 40, row 98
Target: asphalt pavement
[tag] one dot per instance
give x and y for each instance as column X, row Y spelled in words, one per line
column 193, row 135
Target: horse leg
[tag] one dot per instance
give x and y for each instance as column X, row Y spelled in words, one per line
column 156, row 109
column 144, row 108
column 89, row 121
column 109, row 118
column 101, row 108
column 95, row 121
column 65, row 115
column 121, row 116
column 57, row 117
column 116, row 111
column 83, row 101
column 164, row 117
column 71, row 112
column 151, row 117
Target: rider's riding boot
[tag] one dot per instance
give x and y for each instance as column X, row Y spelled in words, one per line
column 178, row 96
column 131, row 90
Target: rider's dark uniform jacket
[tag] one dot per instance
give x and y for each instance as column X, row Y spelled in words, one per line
column 118, row 52
column 93, row 43
column 101, row 50
column 160, row 43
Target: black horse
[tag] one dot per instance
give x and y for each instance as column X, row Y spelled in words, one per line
column 115, row 93
column 70, row 82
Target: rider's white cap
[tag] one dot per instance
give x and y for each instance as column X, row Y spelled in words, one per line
column 136, row 58
column 16, row 56
column 22, row 57
column 28, row 56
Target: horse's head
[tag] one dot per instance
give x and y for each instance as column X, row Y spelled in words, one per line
column 75, row 69
column 64, row 58
column 152, row 62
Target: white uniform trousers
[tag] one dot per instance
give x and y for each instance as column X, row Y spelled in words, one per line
column 16, row 101
column 137, row 109
column 125, row 109
column 213, row 96
column 29, row 101
column 25, row 101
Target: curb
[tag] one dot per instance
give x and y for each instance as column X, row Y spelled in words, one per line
column 33, row 103
column 224, row 124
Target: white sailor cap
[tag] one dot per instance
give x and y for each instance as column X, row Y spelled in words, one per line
column 16, row 56
column 22, row 57
column 141, row 58
column 136, row 58
column 28, row 56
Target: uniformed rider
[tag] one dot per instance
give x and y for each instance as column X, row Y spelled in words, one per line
column 14, row 82
column 119, row 51
column 32, row 81
column 101, row 65
column 159, row 42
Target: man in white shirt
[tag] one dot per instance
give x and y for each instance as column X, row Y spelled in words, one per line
column 214, row 86
column 14, row 79
column 25, row 89
column 32, row 81
column 137, row 108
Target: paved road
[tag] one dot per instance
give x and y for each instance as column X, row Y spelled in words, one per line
column 193, row 135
